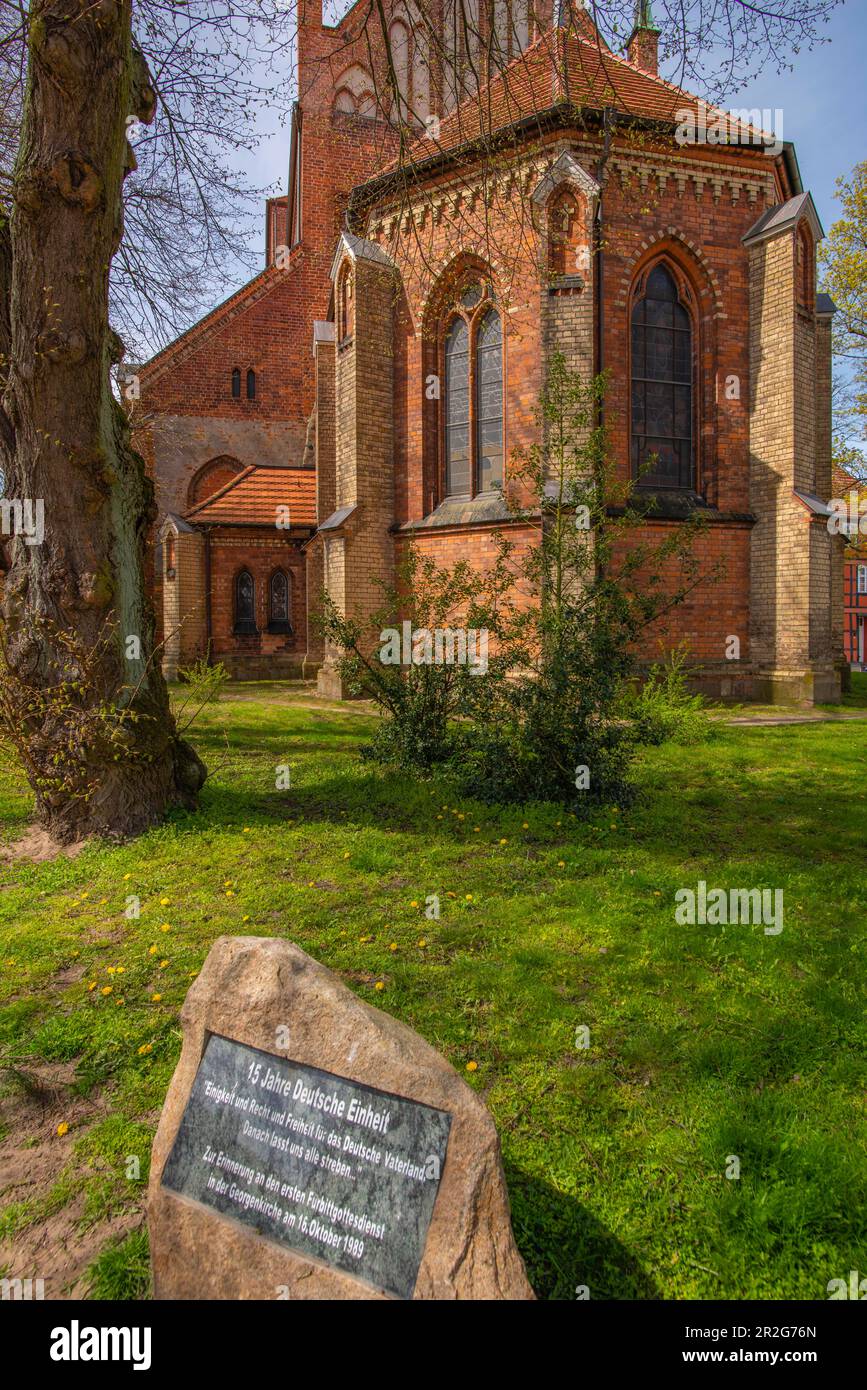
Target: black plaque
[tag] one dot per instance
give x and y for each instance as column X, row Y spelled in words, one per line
column 325, row 1165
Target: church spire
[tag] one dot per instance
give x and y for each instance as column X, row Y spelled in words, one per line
column 643, row 46
column 644, row 16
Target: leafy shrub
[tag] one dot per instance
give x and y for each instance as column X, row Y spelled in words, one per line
column 204, row 681
column 664, row 709
column 545, row 722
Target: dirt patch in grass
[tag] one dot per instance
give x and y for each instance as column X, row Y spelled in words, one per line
column 38, row 847
column 55, row 1247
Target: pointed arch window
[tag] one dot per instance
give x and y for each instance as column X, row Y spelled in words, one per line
column 345, row 304
column 251, row 385
column 473, row 395
column 245, row 604
column 663, row 409
column 236, row 383
column 805, row 267
column 280, row 602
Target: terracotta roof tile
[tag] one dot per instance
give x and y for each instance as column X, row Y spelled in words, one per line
column 557, row 68
column 252, row 498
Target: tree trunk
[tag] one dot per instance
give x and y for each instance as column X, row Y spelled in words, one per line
column 81, row 694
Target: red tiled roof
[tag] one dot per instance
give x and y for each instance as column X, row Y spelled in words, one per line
column 252, row 498
column 557, row 68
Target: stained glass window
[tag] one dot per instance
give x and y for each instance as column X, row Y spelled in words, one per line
column 279, row 610
column 662, row 405
column 489, row 401
column 245, row 603
column 457, row 409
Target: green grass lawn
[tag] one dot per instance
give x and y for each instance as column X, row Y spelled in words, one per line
column 705, row 1042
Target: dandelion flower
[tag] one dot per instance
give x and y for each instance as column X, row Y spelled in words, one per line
column 165, row 902
column 472, row 1066
column 379, row 985
column 106, row 989
column 63, row 1128
column 393, row 946
column 155, row 998
column 145, row 1048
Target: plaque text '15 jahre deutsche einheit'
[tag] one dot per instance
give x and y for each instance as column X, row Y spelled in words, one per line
column 327, row 1166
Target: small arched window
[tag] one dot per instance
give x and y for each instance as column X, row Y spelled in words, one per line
column 473, row 395
column 236, row 383
column 345, row 305
column 398, row 38
column 805, row 269
column 279, row 602
column 251, row 385
column 564, row 234
column 245, row 604
column 663, row 423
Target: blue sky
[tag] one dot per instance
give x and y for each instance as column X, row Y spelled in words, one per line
column 824, row 105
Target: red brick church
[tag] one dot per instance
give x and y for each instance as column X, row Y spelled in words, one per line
column 439, row 241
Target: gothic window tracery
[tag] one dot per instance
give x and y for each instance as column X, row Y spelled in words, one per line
column 662, row 421
column 472, row 408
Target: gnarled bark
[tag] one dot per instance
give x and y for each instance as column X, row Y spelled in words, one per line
column 81, row 680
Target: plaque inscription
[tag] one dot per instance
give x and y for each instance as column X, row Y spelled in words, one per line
column 327, row 1166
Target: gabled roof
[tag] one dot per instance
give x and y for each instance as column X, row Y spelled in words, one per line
column 358, row 250
column 783, row 217
column 561, row 67
column 252, row 499
column 194, row 337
